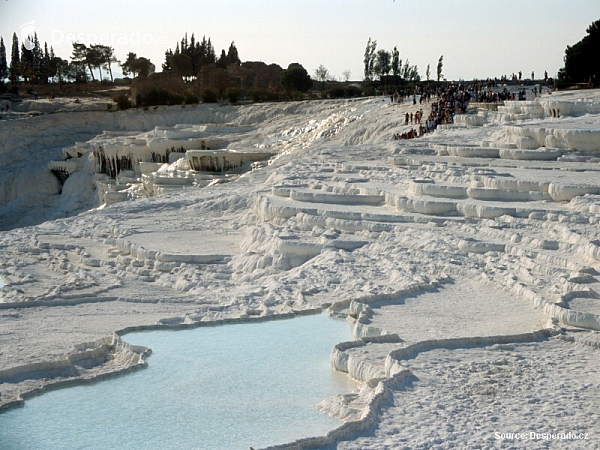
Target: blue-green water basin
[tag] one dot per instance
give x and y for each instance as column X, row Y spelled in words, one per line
column 221, row 387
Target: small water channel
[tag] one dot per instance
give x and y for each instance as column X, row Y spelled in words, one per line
column 223, row 387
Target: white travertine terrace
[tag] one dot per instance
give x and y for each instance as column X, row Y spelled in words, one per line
column 465, row 260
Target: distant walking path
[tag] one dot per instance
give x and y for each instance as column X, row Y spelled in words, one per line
column 449, row 100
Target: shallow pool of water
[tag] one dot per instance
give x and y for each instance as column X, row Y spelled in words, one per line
column 222, row 387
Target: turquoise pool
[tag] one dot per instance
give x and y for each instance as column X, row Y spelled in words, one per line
column 221, row 387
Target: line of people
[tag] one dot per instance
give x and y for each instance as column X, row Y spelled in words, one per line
column 414, row 118
column 450, row 100
column 423, row 95
column 414, row 133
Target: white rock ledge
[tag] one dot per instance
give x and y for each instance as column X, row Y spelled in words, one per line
column 104, row 358
column 87, row 363
column 376, row 392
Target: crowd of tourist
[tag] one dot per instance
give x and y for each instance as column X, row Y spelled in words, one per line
column 487, row 96
column 446, row 101
column 417, row 119
column 449, row 100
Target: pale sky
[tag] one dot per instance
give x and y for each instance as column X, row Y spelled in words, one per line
column 478, row 38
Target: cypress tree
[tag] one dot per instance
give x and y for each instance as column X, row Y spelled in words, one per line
column 232, row 55
column 581, row 60
column 203, row 49
column 3, row 63
column 184, row 44
column 222, row 61
column 26, row 67
column 15, row 60
column 369, row 59
column 193, row 53
column 210, row 53
column 166, row 66
column 37, row 59
column 396, row 63
column 46, row 64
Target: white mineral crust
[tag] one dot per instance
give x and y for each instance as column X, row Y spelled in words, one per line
column 467, row 260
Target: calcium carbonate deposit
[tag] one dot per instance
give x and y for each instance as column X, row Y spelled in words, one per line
column 467, row 260
column 251, row 401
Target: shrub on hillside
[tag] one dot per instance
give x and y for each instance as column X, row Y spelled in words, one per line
column 158, row 96
column 209, row 96
column 337, row 92
column 296, row 78
column 296, row 95
column 233, row 95
column 122, row 101
column 126, row 81
column 369, row 91
column 344, row 92
column 190, row 98
column 264, row 95
column 255, row 95
column 353, row 91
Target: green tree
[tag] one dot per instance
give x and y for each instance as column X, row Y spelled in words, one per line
column 184, row 44
column 60, row 68
column 383, row 63
column 37, row 62
column 182, row 65
column 346, row 74
column 322, row 74
column 413, row 74
column 127, row 66
column 137, row 66
column 440, row 65
column 15, row 60
column 222, row 61
column 582, row 63
column 143, row 66
column 95, row 58
column 193, row 51
column 166, row 66
column 405, row 72
column 410, row 73
column 428, row 71
column 201, row 53
column 46, row 69
column 26, row 67
column 74, row 71
column 396, row 62
column 232, row 55
column 369, row 59
column 79, row 57
column 3, row 61
column 107, row 56
column 296, row 78
column 211, row 56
